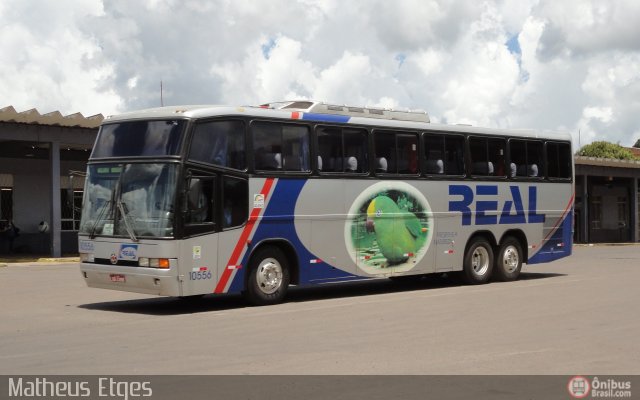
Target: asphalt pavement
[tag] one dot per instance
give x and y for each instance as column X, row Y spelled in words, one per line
column 579, row 315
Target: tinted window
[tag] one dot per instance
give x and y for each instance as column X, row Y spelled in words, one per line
column 219, row 143
column 280, row 146
column 139, row 138
column 200, row 201
column 396, row 153
column 342, row 150
column 444, row 154
column 487, row 156
column 235, row 205
column 526, row 158
column 559, row 160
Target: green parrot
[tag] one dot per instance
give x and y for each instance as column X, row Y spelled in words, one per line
column 397, row 231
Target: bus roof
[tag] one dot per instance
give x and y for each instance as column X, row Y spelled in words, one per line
column 283, row 110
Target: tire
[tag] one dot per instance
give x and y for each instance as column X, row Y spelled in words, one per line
column 478, row 262
column 269, row 277
column 509, row 261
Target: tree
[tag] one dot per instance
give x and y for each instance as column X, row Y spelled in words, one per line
column 637, row 145
column 606, row 150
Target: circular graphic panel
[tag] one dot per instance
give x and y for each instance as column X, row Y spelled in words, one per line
column 389, row 228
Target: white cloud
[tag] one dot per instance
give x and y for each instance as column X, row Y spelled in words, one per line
column 570, row 65
column 48, row 66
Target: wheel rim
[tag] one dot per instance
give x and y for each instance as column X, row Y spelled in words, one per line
column 510, row 259
column 480, row 261
column 269, row 276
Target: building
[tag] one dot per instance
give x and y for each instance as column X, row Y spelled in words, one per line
column 606, row 203
column 38, row 152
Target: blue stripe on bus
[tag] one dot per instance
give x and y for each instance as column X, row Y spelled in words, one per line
column 278, row 222
column 559, row 245
column 325, row 117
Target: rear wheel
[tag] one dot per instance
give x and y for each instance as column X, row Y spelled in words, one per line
column 268, row 277
column 509, row 260
column 478, row 261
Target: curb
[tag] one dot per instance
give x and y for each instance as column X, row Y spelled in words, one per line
column 46, row 260
column 59, row 260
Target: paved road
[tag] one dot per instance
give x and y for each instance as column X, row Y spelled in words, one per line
column 575, row 316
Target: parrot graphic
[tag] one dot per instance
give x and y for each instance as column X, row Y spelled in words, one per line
column 397, row 231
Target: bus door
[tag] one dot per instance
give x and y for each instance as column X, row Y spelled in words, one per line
column 199, row 249
column 234, row 201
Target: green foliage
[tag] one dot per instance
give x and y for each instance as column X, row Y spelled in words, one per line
column 606, row 150
column 637, row 145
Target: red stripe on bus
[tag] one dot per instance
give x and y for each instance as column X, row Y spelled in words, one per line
column 233, row 260
column 295, row 115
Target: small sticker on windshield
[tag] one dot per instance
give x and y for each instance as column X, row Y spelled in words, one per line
column 107, row 229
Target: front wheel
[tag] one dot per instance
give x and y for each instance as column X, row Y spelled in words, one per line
column 478, row 262
column 268, row 277
column 509, row 261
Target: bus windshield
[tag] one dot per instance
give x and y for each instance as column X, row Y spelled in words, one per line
column 134, row 200
column 139, row 138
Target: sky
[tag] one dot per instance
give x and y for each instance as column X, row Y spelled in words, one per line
column 567, row 66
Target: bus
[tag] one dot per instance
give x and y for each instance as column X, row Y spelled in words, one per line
column 195, row 200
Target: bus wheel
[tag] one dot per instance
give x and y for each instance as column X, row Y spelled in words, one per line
column 509, row 261
column 478, row 262
column 268, row 277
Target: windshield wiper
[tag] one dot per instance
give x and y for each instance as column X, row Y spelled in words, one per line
column 92, row 235
column 124, row 211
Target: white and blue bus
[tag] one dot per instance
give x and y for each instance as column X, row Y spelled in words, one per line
column 187, row 201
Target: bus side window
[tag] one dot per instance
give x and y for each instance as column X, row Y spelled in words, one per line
column 479, row 156
column 454, row 155
column 280, row 146
column 526, row 158
column 434, row 148
column 219, row 143
column 407, row 153
column 497, row 151
column 235, row 203
column 559, row 160
column 355, row 149
column 330, row 149
column 295, row 148
column 487, row 156
column 341, row 149
column 199, row 201
column 385, row 149
column 535, row 159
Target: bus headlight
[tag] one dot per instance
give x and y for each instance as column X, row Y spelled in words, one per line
column 87, row 257
column 162, row 263
column 143, row 262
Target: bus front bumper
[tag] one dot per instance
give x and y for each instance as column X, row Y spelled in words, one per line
column 132, row 279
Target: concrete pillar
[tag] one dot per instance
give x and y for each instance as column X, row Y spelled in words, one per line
column 633, row 201
column 55, row 223
column 584, row 223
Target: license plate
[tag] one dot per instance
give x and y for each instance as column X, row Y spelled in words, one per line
column 117, row 278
